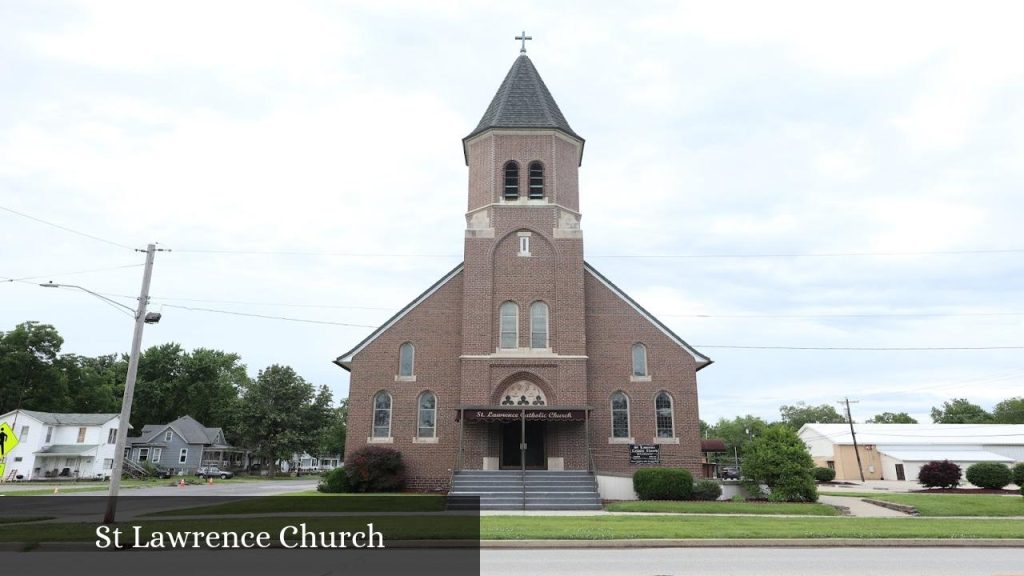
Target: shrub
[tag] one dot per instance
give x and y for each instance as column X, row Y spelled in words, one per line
column 335, row 482
column 375, row 469
column 992, row 475
column 1018, row 474
column 780, row 460
column 706, row 490
column 663, row 483
column 822, row 474
column 936, row 474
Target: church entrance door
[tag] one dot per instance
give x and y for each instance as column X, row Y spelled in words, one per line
column 536, row 458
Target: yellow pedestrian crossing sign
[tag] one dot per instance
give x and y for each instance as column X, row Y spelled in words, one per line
column 7, row 440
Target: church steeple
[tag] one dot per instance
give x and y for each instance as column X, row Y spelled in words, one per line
column 523, row 101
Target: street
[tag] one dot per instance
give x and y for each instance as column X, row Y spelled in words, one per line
column 756, row 561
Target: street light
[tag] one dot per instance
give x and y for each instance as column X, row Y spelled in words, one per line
column 141, row 319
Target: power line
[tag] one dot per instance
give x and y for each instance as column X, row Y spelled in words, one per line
column 268, row 317
column 66, row 229
column 864, row 348
column 708, row 316
column 40, row 276
column 620, row 256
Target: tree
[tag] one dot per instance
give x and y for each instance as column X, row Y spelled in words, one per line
column 780, row 460
column 332, row 441
column 960, row 411
column 892, row 418
column 95, row 385
column 800, row 413
column 1009, row 411
column 281, row 414
column 28, row 377
column 738, row 432
column 205, row 384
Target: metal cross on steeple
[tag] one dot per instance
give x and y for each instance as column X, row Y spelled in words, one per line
column 524, row 38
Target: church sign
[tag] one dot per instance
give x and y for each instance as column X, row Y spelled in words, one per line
column 532, row 414
column 645, row 453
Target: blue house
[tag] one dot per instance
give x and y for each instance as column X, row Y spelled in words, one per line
column 184, row 445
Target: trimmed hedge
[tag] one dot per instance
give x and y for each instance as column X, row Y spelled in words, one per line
column 663, row 483
column 375, row 469
column 822, row 474
column 706, row 490
column 335, row 482
column 993, row 475
column 1018, row 475
column 936, row 474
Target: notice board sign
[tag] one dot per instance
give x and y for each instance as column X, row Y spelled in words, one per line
column 645, row 453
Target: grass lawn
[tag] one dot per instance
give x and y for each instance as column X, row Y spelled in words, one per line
column 950, row 504
column 631, row 527
column 727, row 507
column 564, row 527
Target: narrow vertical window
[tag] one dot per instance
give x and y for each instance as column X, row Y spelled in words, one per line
column 183, row 456
column 538, row 325
column 143, row 454
column 663, row 415
column 111, row 436
column 382, row 415
column 158, row 453
column 49, row 433
column 23, row 437
column 536, row 181
column 509, row 326
column 511, row 181
column 620, row 415
column 406, row 358
column 426, row 425
column 524, row 243
column 168, row 435
column 639, row 360
column 81, row 435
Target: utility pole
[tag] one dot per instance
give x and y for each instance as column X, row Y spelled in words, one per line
column 856, row 451
column 129, row 387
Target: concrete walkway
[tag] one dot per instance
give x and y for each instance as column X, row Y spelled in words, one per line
column 859, row 507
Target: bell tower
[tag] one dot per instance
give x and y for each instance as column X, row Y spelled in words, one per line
column 523, row 305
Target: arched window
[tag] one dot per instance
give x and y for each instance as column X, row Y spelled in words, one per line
column 509, row 326
column 511, row 180
column 382, row 415
column 406, row 359
column 536, row 181
column 620, row 415
column 663, row 415
column 538, row 325
column 426, row 424
column 639, row 360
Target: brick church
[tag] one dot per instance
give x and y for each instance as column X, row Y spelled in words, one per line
column 524, row 357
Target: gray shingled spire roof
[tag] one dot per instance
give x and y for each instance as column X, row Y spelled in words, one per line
column 523, row 101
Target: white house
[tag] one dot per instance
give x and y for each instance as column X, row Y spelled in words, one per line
column 308, row 463
column 897, row 451
column 60, row 446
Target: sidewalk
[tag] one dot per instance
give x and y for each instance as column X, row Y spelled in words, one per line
column 859, row 507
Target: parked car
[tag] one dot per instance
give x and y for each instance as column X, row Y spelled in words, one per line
column 214, row 472
column 730, row 473
column 162, row 473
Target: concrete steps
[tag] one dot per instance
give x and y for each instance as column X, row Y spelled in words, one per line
column 534, row 490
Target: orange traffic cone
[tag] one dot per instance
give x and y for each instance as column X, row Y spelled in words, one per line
column 181, row 484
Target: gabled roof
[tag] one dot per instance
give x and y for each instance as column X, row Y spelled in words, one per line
column 916, row 434
column 702, row 360
column 56, row 419
column 187, row 427
column 523, row 101
column 345, row 359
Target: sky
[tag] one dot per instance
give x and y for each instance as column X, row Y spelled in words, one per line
column 763, row 177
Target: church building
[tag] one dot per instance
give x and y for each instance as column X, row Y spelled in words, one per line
column 524, row 358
